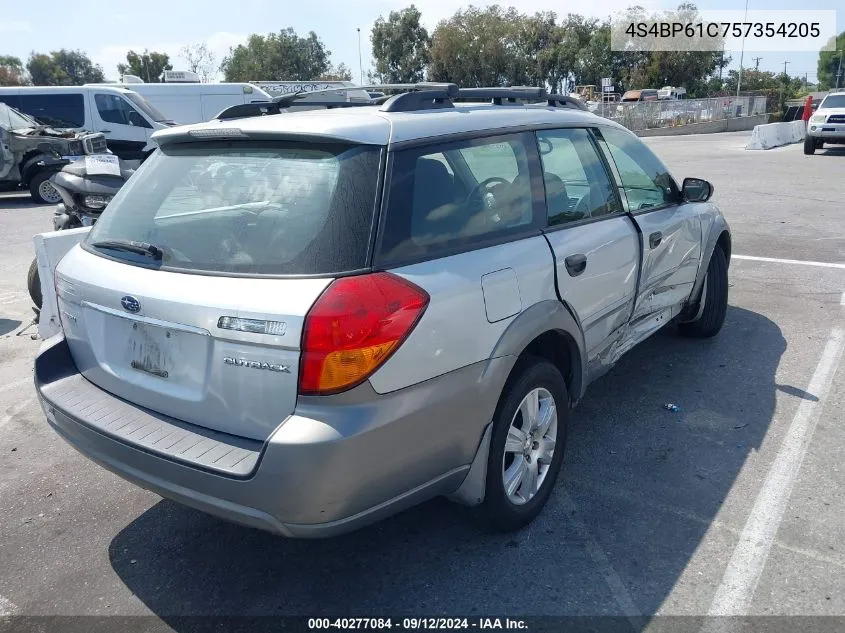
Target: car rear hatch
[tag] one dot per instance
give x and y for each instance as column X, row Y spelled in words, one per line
column 188, row 296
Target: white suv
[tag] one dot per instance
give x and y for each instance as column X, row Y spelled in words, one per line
column 827, row 125
column 308, row 321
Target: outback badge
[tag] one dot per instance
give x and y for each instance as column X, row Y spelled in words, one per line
column 254, row 364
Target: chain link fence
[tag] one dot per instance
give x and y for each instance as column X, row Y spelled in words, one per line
column 646, row 115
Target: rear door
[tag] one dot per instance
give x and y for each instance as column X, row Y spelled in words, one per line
column 595, row 244
column 670, row 231
column 250, row 234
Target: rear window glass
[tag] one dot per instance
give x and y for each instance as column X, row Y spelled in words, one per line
column 241, row 208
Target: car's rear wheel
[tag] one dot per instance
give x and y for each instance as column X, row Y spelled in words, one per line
column 809, row 145
column 715, row 297
column 526, row 446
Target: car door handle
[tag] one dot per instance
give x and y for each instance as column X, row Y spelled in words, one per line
column 654, row 239
column 576, row 264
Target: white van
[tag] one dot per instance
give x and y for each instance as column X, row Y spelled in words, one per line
column 281, row 88
column 195, row 102
column 125, row 118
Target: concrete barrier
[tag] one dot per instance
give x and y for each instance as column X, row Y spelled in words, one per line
column 734, row 124
column 777, row 134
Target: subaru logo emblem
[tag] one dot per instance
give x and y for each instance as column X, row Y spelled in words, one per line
column 130, row 304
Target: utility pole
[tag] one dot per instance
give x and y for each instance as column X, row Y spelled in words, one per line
column 786, row 81
column 741, row 55
column 839, row 72
column 756, row 62
column 360, row 63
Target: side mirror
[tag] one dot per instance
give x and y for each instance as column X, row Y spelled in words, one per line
column 135, row 119
column 696, row 190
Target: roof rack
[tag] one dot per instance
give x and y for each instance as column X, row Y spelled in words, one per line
column 511, row 94
column 410, row 98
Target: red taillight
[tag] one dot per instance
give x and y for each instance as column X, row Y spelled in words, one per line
column 354, row 327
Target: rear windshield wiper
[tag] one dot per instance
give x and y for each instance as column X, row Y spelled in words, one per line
column 140, row 248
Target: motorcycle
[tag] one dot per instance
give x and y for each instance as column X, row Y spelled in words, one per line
column 85, row 191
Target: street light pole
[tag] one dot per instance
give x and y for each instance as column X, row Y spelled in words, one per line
column 360, row 63
column 741, row 55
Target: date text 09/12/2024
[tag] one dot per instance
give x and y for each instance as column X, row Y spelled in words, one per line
column 414, row 624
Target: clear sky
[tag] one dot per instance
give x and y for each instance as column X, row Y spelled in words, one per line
column 106, row 30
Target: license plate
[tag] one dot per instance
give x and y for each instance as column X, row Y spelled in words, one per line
column 152, row 349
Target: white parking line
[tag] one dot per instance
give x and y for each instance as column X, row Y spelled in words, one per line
column 798, row 262
column 745, row 567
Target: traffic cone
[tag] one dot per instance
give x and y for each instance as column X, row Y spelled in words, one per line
column 808, row 109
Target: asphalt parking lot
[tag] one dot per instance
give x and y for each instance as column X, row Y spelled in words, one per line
column 732, row 505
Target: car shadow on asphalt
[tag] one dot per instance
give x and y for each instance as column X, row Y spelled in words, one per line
column 831, row 150
column 8, row 325
column 641, row 486
column 16, row 202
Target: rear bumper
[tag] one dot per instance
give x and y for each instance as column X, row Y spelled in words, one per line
column 336, row 464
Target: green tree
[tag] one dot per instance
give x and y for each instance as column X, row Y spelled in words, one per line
column 477, row 47
column 341, row 72
column 400, row 47
column 63, row 68
column 277, row 57
column 831, row 66
column 11, row 71
column 148, row 66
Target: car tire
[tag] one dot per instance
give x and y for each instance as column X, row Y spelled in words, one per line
column 509, row 508
column 715, row 299
column 809, row 145
column 33, row 284
column 39, row 189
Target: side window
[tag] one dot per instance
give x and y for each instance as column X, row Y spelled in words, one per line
column 457, row 196
column 646, row 181
column 577, row 183
column 56, row 109
column 114, row 109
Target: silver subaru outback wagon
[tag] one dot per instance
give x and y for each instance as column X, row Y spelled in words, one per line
column 308, row 321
